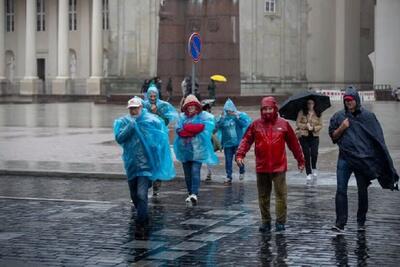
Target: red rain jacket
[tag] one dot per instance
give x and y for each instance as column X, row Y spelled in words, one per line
column 270, row 138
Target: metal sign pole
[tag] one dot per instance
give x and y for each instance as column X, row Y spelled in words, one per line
column 194, row 48
column 193, row 76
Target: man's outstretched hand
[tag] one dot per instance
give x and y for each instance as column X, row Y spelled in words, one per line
column 240, row 162
column 301, row 168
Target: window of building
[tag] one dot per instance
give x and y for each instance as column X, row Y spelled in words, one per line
column 40, row 18
column 10, row 14
column 270, row 6
column 72, row 15
column 105, row 15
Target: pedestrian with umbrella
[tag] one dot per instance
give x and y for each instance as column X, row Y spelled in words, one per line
column 309, row 125
column 306, row 108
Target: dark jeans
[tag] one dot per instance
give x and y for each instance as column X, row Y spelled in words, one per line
column 343, row 174
column 229, row 155
column 310, row 144
column 138, row 188
column 191, row 170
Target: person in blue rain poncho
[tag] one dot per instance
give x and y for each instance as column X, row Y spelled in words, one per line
column 146, row 153
column 232, row 125
column 192, row 145
column 162, row 109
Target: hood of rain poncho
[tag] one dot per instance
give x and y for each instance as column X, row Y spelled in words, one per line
column 229, row 106
column 230, row 128
column 145, row 144
column 352, row 91
column 198, row 148
column 363, row 146
column 164, row 109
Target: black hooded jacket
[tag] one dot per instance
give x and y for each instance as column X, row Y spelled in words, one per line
column 363, row 146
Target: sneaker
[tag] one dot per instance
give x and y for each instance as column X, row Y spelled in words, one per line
column 309, row 179
column 228, row 181
column 193, row 199
column 241, row 176
column 265, row 227
column 187, row 200
column 315, row 173
column 279, row 227
column 338, row 228
column 208, row 178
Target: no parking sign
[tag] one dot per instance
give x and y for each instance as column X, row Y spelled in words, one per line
column 194, row 46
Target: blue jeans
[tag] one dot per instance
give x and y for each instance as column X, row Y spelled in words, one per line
column 139, row 187
column 191, row 170
column 229, row 155
column 343, row 174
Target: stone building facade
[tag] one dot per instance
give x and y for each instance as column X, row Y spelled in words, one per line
column 103, row 47
column 298, row 44
column 77, row 47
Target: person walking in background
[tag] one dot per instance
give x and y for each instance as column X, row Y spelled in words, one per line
column 165, row 111
column 211, row 89
column 146, row 155
column 158, row 83
column 145, row 86
column 232, row 124
column 270, row 133
column 207, row 106
column 362, row 151
column 169, row 89
column 192, row 145
column 309, row 124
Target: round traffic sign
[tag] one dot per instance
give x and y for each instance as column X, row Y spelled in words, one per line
column 194, row 46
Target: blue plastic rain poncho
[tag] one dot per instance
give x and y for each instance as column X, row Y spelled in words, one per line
column 197, row 148
column 164, row 109
column 146, row 150
column 232, row 127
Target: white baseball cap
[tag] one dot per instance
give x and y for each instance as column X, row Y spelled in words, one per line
column 134, row 102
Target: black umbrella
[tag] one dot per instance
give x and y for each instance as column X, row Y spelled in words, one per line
column 291, row 107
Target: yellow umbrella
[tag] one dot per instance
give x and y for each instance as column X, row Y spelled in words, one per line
column 218, row 78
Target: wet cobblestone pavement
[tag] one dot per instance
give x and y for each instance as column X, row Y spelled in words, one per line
column 78, row 138
column 90, row 222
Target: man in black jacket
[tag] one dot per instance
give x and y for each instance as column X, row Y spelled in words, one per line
column 362, row 150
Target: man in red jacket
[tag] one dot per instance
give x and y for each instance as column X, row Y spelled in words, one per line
column 270, row 134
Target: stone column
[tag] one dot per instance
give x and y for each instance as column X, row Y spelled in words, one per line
column 29, row 84
column 60, row 84
column 2, row 52
column 94, row 82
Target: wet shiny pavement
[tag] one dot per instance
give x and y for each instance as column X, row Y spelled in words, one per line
column 77, row 138
column 90, row 222
column 69, row 221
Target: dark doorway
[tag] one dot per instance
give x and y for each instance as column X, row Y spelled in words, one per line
column 41, row 69
column 41, row 73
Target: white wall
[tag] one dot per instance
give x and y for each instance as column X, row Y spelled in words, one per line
column 133, row 38
column 321, row 41
column 387, row 42
column 272, row 46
